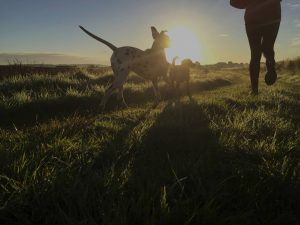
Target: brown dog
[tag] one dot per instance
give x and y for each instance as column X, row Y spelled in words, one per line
column 180, row 74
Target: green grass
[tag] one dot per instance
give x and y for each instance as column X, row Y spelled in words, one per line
column 225, row 158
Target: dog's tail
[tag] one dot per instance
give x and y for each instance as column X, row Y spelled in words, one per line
column 174, row 60
column 111, row 46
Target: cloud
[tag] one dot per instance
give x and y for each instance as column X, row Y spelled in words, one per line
column 295, row 41
column 223, row 35
column 45, row 58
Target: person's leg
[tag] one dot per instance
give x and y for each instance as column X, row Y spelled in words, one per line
column 255, row 39
column 269, row 37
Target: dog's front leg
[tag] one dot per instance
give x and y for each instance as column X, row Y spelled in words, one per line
column 155, row 89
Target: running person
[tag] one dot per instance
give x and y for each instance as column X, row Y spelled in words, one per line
column 262, row 20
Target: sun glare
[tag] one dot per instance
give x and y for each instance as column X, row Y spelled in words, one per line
column 184, row 44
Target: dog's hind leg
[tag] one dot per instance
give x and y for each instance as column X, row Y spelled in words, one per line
column 121, row 96
column 117, row 84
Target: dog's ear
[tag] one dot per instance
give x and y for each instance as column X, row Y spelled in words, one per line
column 155, row 33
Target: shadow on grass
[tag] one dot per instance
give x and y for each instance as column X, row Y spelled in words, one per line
column 77, row 192
column 43, row 110
column 53, row 84
column 60, row 85
column 285, row 103
column 175, row 169
column 175, row 173
column 181, row 174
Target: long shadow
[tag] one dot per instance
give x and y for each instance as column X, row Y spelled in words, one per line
column 115, row 149
column 40, row 111
column 80, row 192
column 286, row 108
column 178, row 158
column 181, row 131
column 181, row 173
column 38, row 86
column 177, row 173
column 78, row 81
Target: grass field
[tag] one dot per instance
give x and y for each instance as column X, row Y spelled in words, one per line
column 224, row 158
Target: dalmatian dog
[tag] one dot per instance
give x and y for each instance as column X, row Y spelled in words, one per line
column 150, row 64
column 180, row 74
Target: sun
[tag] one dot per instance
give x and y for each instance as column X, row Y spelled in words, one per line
column 184, row 44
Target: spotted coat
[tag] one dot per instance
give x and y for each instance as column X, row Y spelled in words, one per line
column 149, row 64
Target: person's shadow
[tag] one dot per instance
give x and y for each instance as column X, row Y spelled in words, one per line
column 177, row 158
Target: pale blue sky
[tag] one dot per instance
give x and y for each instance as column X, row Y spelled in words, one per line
column 40, row 26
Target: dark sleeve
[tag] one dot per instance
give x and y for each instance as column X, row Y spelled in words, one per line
column 240, row 4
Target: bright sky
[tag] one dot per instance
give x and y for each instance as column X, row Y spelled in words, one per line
column 51, row 27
